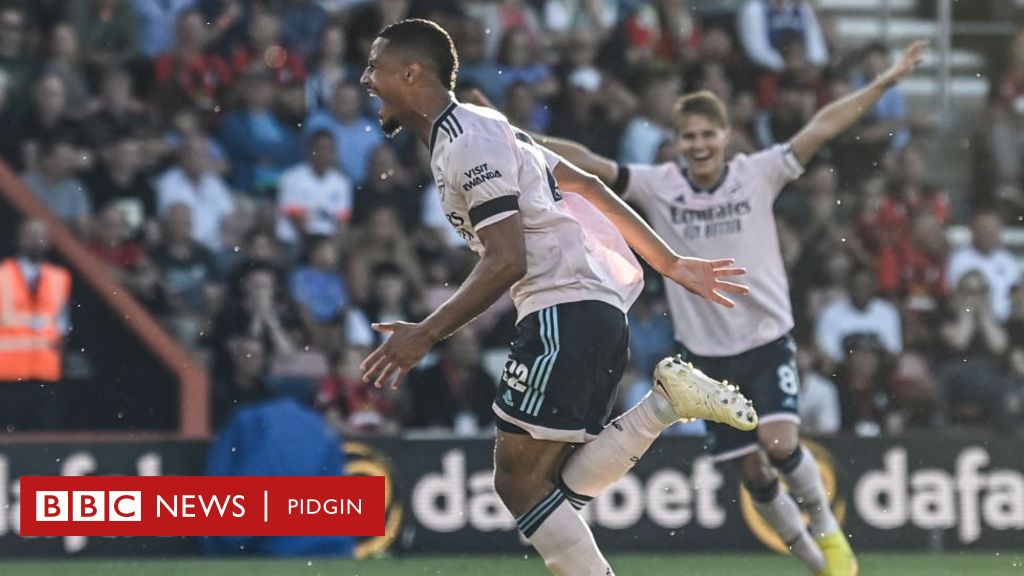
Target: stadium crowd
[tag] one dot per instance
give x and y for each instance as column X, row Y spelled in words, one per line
column 221, row 159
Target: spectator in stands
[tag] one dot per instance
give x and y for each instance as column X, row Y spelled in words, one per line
column 391, row 297
column 314, row 197
column 328, row 68
column 521, row 108
column 800, row 72
column 357, row 407
column 819, row 269
column 888, row 121
column 910, row 192
column 650, row 329
column 187, row 122
column 793, row 108
column 645, row 133
column 562, row 19
column 258, row 142
column 381, row 240
column 34, row 307
column 368, row 18
column 118, row 178
column 913, row 273
column 663, row 32
column 765, row 26
column 320, row 294
column 580, row 115
column 188, row 74
column 820, row 409
column 115, row 110
column 520, row 63
column 302, row 23
column 1015, row 354
column 861, row 313
column 106, row 30
column 14, row 61
column 242, row 382
column 454, row 393
column 262, row 311
column 266, row 46
column 57, row 187
column 974, row 343
column 48, row 119
column 475, row 65
column 356, row 135
column 1005, row 129
column 156, row 20
column 189, row 273
column 226, row 20
column 390, row 183
column 64, row 58
column 988, row 255
column 192, row 183
column 717, row 49
column 114, row 244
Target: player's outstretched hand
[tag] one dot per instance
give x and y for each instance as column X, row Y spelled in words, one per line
column 906, row 63
column 391, row 362
column 705, row 278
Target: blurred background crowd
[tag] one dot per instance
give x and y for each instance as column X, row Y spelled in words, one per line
column 222, row 162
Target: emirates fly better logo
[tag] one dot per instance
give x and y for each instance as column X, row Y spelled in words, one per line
column 202, row 505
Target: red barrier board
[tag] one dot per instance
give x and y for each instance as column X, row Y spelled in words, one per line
column 202, row 505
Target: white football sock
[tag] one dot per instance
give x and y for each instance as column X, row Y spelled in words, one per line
column 803, row 478
column 779, row 510
column 562, row 538
column 599, row 463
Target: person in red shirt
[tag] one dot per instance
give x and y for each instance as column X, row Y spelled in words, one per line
column 354, row 406
column 189, row 71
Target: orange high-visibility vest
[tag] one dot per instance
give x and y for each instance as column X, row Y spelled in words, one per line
column 30, row 331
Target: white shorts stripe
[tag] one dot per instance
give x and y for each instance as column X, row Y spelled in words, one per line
column 536, row 432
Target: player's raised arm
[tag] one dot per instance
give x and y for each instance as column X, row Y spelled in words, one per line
column 705, row 278
column 834, row 119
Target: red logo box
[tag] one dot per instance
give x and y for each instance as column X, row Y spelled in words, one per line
column 202, row 505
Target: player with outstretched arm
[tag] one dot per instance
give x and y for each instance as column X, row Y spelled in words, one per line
column 571, row 276
column 710, row 207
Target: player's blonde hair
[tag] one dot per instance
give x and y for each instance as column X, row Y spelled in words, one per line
column 703, row 103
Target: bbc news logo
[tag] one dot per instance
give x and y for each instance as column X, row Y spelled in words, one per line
column 89, row 506
column 203, row 505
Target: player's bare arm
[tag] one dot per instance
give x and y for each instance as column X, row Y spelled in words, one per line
column 837, row 117
column 582, row 157
column 503, row 263
column 705, row 278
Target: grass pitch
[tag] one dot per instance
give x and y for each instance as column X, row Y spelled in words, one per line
column 950, row 564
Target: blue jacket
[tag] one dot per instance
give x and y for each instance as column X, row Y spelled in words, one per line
column 277, row 438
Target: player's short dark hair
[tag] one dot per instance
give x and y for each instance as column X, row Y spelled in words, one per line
column 425, row 40
column 703, row 103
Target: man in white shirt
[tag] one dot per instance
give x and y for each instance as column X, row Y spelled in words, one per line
column 987, row 255
column 713, row 207
column 314, row 198
column 861, row 314
column 565, row 260
column 192, row 183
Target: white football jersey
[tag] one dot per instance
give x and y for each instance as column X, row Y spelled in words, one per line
column 732, row 219
column 486, row 171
